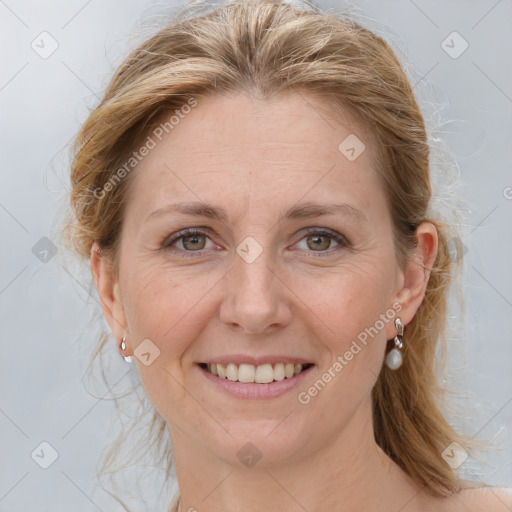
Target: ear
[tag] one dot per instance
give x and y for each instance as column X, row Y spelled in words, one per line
column 109, row 295
column 414, row 278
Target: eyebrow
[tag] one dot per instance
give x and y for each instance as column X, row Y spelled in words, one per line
column 301, row 211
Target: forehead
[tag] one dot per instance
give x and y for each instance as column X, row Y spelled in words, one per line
column 233, row 146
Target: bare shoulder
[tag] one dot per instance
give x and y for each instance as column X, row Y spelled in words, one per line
column 485, row 499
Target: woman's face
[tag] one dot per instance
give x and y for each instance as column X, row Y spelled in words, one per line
column 265, row 280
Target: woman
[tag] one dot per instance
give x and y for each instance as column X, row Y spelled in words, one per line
column 253, row 192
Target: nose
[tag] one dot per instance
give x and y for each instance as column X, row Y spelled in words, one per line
column 256, row 298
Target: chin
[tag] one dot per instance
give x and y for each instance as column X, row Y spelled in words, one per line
column 265, row 443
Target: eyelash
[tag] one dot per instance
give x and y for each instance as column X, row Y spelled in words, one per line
column 343, row 242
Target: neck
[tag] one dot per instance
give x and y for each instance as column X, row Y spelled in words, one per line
column 350, row 473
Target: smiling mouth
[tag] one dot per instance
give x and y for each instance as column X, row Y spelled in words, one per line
column 261, row 374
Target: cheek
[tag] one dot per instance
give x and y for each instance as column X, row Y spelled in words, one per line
column 352, row 308
column 161, row 302
column 348, row 298
column 170, row 309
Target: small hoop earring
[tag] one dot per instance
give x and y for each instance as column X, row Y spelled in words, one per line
column 394, row 358
column 128, row 359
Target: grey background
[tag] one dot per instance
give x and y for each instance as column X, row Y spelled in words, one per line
column 45, row 308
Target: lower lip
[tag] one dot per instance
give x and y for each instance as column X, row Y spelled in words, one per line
column 256, row 391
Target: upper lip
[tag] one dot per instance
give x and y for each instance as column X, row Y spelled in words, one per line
column 255, row 360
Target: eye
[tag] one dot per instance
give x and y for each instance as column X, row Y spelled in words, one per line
column 192, row 240
column 319, row 240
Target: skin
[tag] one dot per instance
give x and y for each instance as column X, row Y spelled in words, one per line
column 256, row 159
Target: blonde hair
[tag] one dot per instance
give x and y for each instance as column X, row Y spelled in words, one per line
column 270, row 47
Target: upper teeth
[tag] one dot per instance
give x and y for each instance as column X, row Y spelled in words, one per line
column 262, row 374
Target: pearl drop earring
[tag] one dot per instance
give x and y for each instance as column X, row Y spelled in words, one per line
column 394, row 358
